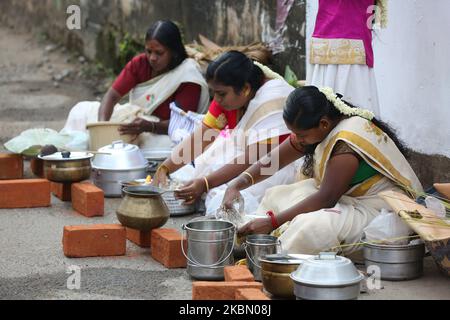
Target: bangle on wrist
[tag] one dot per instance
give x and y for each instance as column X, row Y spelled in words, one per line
column 248, row 174
column 163, row 167
column 273, row 219
column 206, row 183
column 152, row 130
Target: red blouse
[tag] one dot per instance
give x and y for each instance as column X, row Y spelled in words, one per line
column 138, row 70
column 219, row 118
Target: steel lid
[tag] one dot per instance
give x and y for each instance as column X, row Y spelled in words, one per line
column 327, row 270
column 67, row 156
column 119, row 156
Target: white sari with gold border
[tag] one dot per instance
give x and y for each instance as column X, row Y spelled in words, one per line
column 325, row 229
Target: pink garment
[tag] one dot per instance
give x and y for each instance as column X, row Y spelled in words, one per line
column 346, row 19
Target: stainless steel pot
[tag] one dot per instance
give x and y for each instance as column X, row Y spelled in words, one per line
column 209, row 248
column 327, row 277
column 396, row 262
column 111, row 181
column 257, row 246
column 67, row 166
column 117, row 163
column 142, row 208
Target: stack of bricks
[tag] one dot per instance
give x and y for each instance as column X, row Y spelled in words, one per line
column 94, row 241
column 166, row 248
column 87, row 199
column 239, row 284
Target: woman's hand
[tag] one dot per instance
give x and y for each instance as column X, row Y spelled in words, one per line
column 161, row 178
column 137, row 127
column 261, row 225
column 231, row 194
column 192, row 191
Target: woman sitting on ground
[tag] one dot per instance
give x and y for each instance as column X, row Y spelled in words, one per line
column 243, row 123
column 154, row 79
column 350, row 158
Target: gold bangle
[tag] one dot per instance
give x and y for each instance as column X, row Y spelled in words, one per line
column 207, row 184
column 163, row 167
column 251, row 177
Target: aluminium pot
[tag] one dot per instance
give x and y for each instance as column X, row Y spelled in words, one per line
column 327, row 277
column 67, row 166
column 115, row 164
column 142, row 208
column 396, row 262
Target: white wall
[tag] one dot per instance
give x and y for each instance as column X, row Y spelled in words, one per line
column 412, row 66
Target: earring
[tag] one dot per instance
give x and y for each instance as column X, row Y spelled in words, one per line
column 247, row 92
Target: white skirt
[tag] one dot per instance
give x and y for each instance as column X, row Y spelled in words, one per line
column 355, row 82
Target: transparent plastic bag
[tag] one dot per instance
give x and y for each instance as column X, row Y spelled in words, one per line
column 436, row 206
column 387, row 228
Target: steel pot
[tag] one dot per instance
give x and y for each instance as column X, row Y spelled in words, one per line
column 259, row 245
column 210, row 246
column 142, row 208
column 67, row 166
column 396, row 262
column 327, row 277
column 276, row 272
column 117, row 163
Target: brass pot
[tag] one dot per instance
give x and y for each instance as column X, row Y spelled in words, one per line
column 276, row 277
column 142, row 208
column 67, row 167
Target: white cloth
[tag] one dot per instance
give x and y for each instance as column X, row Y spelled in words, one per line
column 355, row 82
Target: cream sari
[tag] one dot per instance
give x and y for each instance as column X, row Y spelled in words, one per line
column 263, row 120
column 144, row 100
column 327, row 229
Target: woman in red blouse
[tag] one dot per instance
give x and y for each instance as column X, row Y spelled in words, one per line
column 154, row 79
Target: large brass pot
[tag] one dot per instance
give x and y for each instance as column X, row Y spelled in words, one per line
column 142, row 208
column 276, row 276
column 67, row 167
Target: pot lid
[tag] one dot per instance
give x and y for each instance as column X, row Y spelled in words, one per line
column 119, row 156
column 327, row 270
column 67, row 156
column 157, row 154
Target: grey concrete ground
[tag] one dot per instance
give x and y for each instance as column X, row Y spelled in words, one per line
column 32, row 264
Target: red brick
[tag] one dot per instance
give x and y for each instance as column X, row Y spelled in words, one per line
column 37, row 167
column 63, row 191
column 238, row 273
column 166, row 248
column 209, row 290
column 99, row 240
column 250, row 294
column 30, row 193
column 141, row 238
column 11, row 166
column 88, row 200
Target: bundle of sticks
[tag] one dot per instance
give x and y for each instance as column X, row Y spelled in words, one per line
column 206, row 51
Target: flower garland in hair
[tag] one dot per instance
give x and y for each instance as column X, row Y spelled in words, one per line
column 269, row 73
column 343, row 107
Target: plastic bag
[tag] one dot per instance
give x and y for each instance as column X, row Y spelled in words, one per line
column 249, row 203
column 387, row 228
column 436, row 206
